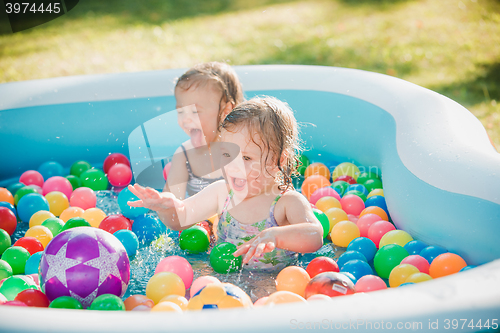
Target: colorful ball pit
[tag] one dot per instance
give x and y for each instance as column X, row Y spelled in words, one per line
column 426, row 138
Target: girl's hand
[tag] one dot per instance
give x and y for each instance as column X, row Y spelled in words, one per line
column 254, row 248
column 152, row 199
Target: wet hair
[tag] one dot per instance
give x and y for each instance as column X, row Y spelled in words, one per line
column 221, row 76
column 274, row 123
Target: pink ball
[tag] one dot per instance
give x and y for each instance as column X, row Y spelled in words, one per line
column 201, row 282
column 84, row 198
column 14, row 303
column 353, row 218
column 120, row 175
column 3, row 299
column 369, row 283
column 113, row 159
column 379, row 229
column 37, row 188
column 177, row 265
column 261, row 301
column 352, row 204
column 166, row 170
column 365, row 222
column 57, row 183
column 31, row 177
column 418, row 261
column 324, row 192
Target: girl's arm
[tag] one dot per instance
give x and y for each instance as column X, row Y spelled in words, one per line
column 303, row 234
column 178, row 176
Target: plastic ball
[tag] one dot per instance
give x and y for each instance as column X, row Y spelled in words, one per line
column 12, row 188
column 94, row 179
column 323, row 219
column 417, row 261
column 327, row 202
column 6, row 196
column 32, row 263
column 5, row 270
column 373, row 184
column 294, row 279
column 370, row 283
column 377, row 201
column 16, row 257
column 179, row 266
column 312, row 183
column 135, row 300
column 33, row 297
column 399, row 237
column 43, row 234
column 446, row 264
column 79, row 167
column 14, row 303
column 201, row 282
column 58, row 202
column 222, row 259
column 343, row 233
column 39, row 217
column 84, row 198
column 22, row 192
column 348, row 256
column 37, row 188
column 363, row 245
column 356, row 193
column 75, row 181
column 415, row 247
column 345, row 169
column 378, row 229
column 129, row 241
column 51, row 169
column 115, row 222
column 75, row 222
column 322, row 193
column 30, row 244
column 282, row 297
column 120, row 175
column 94, row 216
column 387, row 258
column 31, row 177
column 431, row 252
column 58, row 183
column 8, row 220
column 350, row 277
column 466, row 268
column 364, row 223
column 66, row 302
column 13, row 285
column 358, row 187
column 331, row 284
column 54, row 224
column 219, row 296
column 400, row 273
column 194, row 239
column 335, row 215
column 30, row 204
column 147, row 228
column 166, row 170
column 9, row 206
column 317, row 169
column 303, row 164
column 418, row 277
column 358, row 268
column 352, row 204
column 71, row 212
column 84, row 263
column 113, row 159
column 5, row 241
column 377, row 191
column 365, row 176
column 375, row 210
column 163, row 284
column 128, row 211
column 181, row 301
column 319, row 297
column 166, row 306
column 320, row 265
column 107, row 302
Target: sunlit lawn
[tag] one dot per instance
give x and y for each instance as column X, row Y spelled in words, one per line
column 450, row 46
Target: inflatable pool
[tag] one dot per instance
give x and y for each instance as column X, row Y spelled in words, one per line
column 441, row 181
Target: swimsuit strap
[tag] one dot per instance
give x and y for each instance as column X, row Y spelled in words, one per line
column 188, row 166
column 271, row 210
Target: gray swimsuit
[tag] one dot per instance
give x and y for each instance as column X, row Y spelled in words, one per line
column 195, row 184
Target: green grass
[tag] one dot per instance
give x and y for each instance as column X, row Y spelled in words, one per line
column 450, row 46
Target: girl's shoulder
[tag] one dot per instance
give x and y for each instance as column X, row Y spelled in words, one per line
column 290, row 201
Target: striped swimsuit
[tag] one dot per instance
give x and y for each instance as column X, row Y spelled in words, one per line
column 195, row 184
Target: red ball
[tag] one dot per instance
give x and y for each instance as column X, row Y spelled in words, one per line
column 31, row 177
column 331, row 284
column 119, row 175
column 320, row 265
column 379, row 229
column 113, row 159
column 166, row 170
column 31, row 244
column 205, row 225
column 33, row 297
column 8, row 220
column 113, row 223
column 346, row 178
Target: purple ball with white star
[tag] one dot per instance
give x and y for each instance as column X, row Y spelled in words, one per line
column 84, row 263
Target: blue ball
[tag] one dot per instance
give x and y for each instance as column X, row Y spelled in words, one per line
column 350, row 255
column 32, row 264
column 358, row 187
column 406, row 284
column 338, row 190
column 358, row 268
column 415, row 247
column 431, row 252
column 9, row 206
column 147, row 228
column 30, row 204
column 350, row 276
column 363, row 245
column 127, row 211
column 51, row 169
column 377, row 200
column 129, row 241
column 12, row 188
column 466, row 268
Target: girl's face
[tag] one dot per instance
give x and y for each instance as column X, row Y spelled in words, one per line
column 197, row 112
column 244, row 168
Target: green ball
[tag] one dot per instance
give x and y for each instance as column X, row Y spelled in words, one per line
column 75, row 181
column 304, row 163
column 22, row 192
column 323, row 219
column 341, row 185
column 15, row 284
column 388, row 257
column 94, row 179
column 16, row 256
column 222, row 259
column 194, row 239
column 79, row 167
column 75, row 222
column 54, row 224
column 355, row 192
column 5, row 241
column 107, row 302
column 5, row 269
column 364, row 176
column 372, row 184
column 66, row 302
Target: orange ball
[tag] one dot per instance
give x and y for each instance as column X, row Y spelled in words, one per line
column 181, row 301
column 375, row 210
column 94, row 216
column 446, row 264
column 343, row 233
column 166, row 307
column 293, row 279
column 325, row 203
column 284, row 296
column 317, row 169
column 312, row 183
column 5, row 195
column 136, row 300
column 71, row 212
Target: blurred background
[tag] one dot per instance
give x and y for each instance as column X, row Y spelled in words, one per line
column 449, row 46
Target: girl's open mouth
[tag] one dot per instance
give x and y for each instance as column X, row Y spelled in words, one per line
column 197, row 138
column 238, row 183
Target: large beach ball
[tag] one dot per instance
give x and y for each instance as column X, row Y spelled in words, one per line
column 83, row 263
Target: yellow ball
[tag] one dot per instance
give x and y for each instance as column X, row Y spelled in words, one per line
column 71, row 212
column 181, row 301
column 335, row 215
column 294, row 279
column 58, row 202
column 400, row 274
column 39, row 217
column 418, row 277
column 345, row 169
column 398, row 237
column 166, row 306
column 163, row 284
column 343, row 233
column 43, row 234
column 94, row 216
column 377, row 191
column 325, row 203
